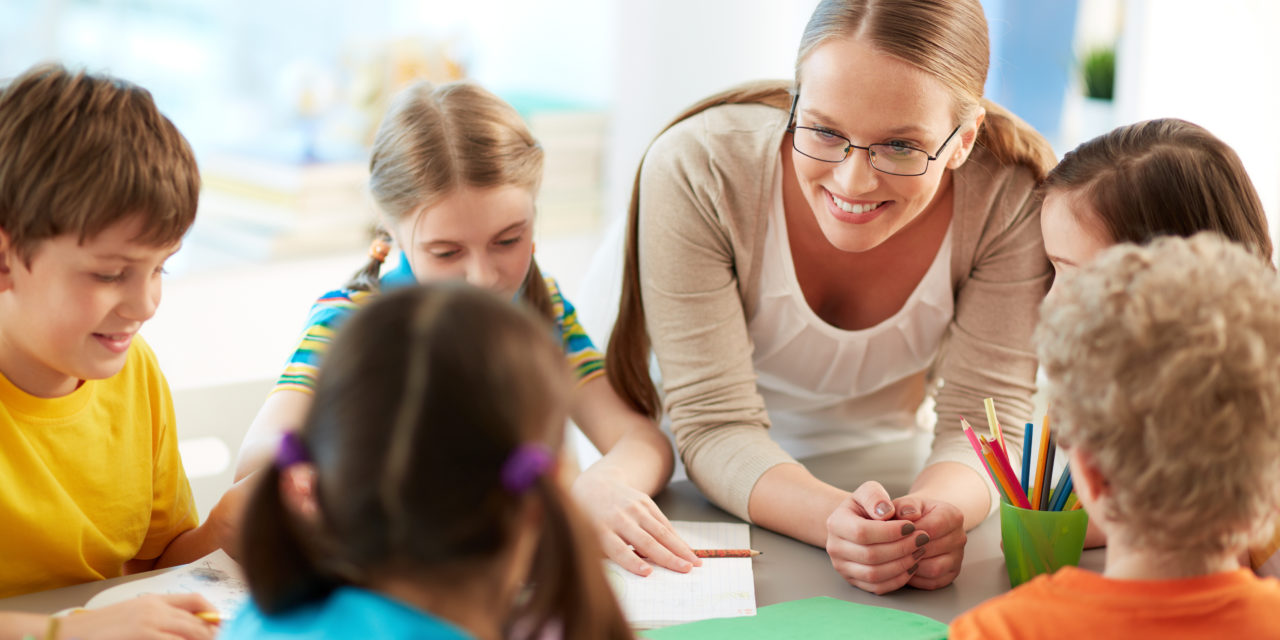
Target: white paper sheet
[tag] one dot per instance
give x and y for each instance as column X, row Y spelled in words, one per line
column 216, row 577
column 720, row 588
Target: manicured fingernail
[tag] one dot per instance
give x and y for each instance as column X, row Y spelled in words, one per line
column 922, row 540
column 907, row 511
column 883, row 509
column 919, row 553
column 908, row 528
column 913, row 568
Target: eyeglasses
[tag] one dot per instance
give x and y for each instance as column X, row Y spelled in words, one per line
column 891, row 158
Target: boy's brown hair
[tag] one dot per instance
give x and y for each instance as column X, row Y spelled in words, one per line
column 81, row 152
column 1162, row 369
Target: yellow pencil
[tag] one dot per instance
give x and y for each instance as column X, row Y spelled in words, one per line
column 212, row 617
column 996, row 435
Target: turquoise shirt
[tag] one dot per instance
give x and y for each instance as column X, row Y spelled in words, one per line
column 348, row 612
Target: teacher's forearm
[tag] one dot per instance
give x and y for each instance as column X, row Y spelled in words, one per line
column 957, row 484
column 790, row 500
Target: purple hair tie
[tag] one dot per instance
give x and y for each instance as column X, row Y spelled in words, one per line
column 291, row 451
column 524, row 466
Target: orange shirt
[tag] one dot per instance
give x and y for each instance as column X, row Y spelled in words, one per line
column 1074, row 603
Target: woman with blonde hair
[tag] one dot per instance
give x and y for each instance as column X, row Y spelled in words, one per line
column 807, row 260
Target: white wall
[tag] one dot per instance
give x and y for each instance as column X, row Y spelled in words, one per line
column 1216, row 64
column 670, row 53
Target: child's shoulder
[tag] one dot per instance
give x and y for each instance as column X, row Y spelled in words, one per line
column 553, row 287
column 338, row 303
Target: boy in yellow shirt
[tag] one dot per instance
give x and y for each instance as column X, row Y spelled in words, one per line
column 1163, row 385
column 97, row 189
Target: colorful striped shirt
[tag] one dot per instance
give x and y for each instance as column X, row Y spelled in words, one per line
column 333, row 308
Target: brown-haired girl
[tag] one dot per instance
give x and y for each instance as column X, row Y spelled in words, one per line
column 1154, row 178
column 1163, row 177
column 806, row 258
column 455, row 173
column 419, row 497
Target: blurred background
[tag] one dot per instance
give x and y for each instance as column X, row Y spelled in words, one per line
column 280, row 98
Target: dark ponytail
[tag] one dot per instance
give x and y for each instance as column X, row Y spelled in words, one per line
column 568, row 586
column 275, row 556
column 627, row 357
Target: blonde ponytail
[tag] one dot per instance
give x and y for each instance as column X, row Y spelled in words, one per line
column 1012, row 141
column 627, row 357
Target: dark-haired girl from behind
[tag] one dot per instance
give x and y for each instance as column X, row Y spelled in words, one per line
column 419, row 500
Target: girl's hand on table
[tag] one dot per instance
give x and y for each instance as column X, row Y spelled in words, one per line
column 631, row 525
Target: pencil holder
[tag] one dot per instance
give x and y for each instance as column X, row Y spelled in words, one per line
column 1037, row 542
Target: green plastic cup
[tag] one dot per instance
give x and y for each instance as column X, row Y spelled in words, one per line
column 1037, row 542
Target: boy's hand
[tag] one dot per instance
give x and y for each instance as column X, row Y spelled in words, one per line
column 144, row 618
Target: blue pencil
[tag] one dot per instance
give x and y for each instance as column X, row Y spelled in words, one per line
column 1061, row 491
column 1026, row 459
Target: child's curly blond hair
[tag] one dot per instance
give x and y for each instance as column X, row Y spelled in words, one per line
column 1164, row 367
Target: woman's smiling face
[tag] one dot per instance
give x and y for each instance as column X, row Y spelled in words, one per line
column 850, row 89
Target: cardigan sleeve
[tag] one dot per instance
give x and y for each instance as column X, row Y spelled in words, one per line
column 988, row 352
column 695, row 317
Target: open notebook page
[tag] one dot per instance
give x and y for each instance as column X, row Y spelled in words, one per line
column 720, row 588
column 216, row 577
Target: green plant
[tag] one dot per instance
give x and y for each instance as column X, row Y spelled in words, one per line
column 1099, row 70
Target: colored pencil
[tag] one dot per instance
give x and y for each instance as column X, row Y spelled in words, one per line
column 1038, row 478
column 211, row 617
column 1048, row 471
column 1006, row 488
column 996, row 435
column 1026, row 458
column 977, row 449
column 1072, row 501
column 1061, row 492
column 1006, row 469
column 726, row 553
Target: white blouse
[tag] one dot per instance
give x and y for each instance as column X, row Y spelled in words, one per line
column 827, row 389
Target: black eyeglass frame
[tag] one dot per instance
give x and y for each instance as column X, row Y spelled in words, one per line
column 850, row 146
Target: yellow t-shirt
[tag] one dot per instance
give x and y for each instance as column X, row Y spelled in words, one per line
column 89, row 480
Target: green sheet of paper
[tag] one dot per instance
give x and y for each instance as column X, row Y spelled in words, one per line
column 810, row 619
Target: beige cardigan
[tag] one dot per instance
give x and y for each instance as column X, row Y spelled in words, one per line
column 705, row 189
